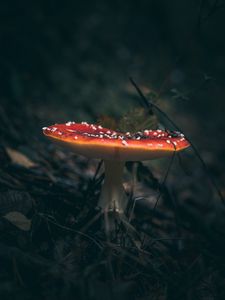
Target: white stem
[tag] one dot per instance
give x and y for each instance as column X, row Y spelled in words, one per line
column 113, row 197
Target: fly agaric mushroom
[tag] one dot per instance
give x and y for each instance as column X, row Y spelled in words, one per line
column 115, row 148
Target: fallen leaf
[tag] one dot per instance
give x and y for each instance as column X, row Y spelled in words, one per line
column 15, row 201
column 20, row 159
column 19, row 220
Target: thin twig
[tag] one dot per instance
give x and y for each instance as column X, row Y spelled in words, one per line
column 71, row 230
column 212, row 180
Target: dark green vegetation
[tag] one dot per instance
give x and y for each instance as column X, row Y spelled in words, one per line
column 72, row 61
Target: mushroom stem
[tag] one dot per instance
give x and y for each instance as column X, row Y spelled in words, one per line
column 113, row 197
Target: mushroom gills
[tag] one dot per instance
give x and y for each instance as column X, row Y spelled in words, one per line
column 113, row 196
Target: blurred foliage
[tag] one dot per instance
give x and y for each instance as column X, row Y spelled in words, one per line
column 137, row 119
column 107, row 122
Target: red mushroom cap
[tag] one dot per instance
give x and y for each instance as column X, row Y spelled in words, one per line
column 95, row 141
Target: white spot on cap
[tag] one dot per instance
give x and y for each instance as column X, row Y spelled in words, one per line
column 124, row 143
column 168, row 141
column 69, row 123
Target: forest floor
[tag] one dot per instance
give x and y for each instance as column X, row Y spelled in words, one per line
column 53, row 244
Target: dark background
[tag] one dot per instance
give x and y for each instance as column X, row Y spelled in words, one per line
column 71, row 60
column 75, row 58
